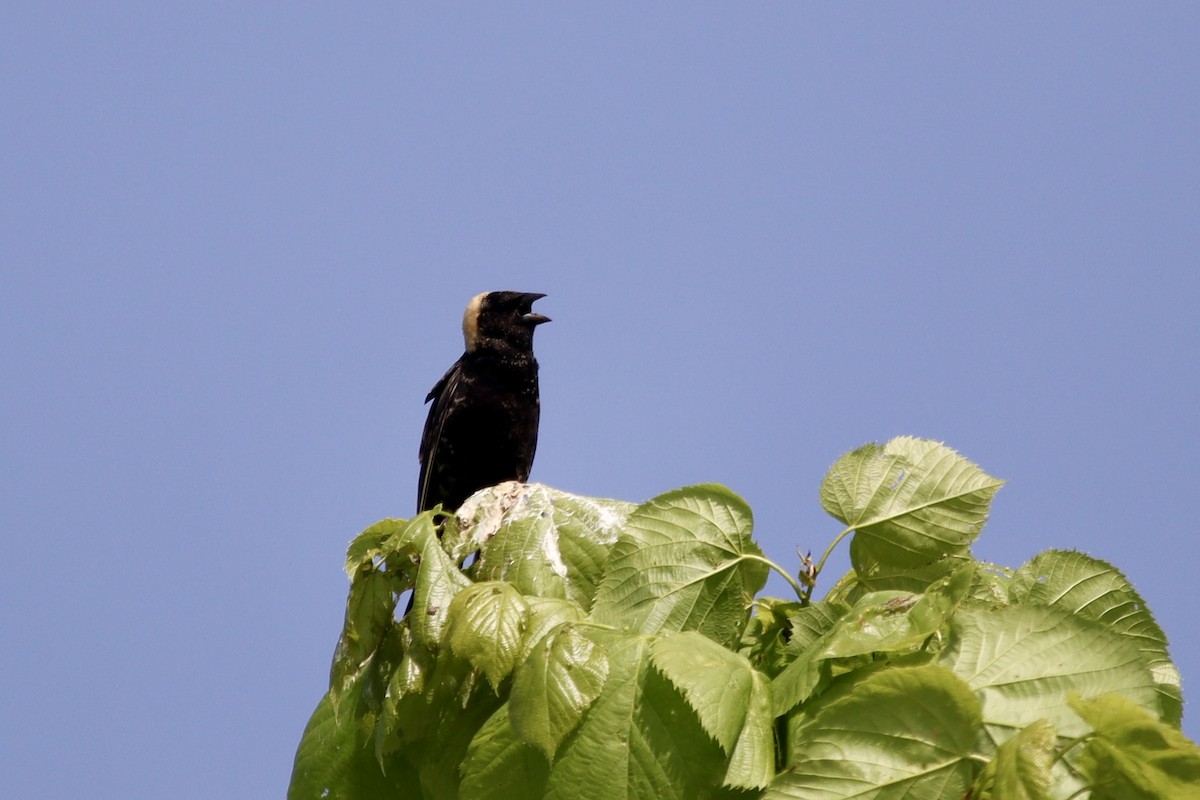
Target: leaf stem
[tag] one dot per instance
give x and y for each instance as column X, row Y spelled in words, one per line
column 829, row 550
column 786, row 576
column 1062, row 751
column 587, row 623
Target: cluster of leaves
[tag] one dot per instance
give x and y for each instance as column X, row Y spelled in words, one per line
column 597, row 649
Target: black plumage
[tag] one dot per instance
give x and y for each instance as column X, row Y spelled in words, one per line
column 482, row 426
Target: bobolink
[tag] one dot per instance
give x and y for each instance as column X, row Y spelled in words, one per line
column 483, row 424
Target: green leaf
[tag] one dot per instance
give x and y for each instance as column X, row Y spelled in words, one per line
column 880, row 623
column 684, row 562
column 896, row 622
column 438, row 581
column 752, row 763
column 368, row 550
column 546, row 614
column 485, row 627
column 767, row 633
column 1097, row 590
column 639, row 740
column 911, row 502
column 884, row 622
column 637, row 670
column 811, row 628
column 562, row 677
column 336, row 760
column 1133, row 755
column 731, row 699
column 876, row 569
column 990, row 584
column 716, row 682
column 374, row 587
column 723, row 689
column 1023, row 661
column 902, row 733
column 812, row 622
column 369, row 614
column 500, row 766
column 1021, row 769
column 545, row 542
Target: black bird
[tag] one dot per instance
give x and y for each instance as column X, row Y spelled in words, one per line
column 482, row 427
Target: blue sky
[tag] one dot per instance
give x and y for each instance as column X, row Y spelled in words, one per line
column 236, row 241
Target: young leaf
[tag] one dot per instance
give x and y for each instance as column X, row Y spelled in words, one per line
column 374, row 587
column 716, row 682
column 368, row 548
column 335, row 759
column 1097, row 590
column 369, row 614
column 684, row 562
column 875, row 569
column 752, row 763
column 500, row 766
column 546, row 614
column 1023, row 660
column 731, row 699
column 1021, row 768
column 901, row 733
column 562, row 677
column 639, row 740
column 767, row 633
column 545, row 542
column 910, row 501
column 438, row 580
column 485, row 626
column 891, row 623
column 811, row 627
column 1134, row 755
column 884, row 622
column 896, row 622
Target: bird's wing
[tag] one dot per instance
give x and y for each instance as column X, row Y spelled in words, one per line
column 440, row 394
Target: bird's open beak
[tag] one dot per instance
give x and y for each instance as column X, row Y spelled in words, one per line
column 531, row 317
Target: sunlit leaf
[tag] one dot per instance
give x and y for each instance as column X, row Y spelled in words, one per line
column 545, row 542
column 1097, row 590
column 561, row 678
column 903, row 733
column 752, row 763
column 368, row 548
column 485, row 627
column 767, row 633
column 638, row 740
column 684, row 562
column 1022, row 661
column 887, row 623
column 716, row 682
column 598, row 650
column 545, row 614
column 374, row 588
column 336, row 760
column 1133, row 755
column 731, row 699
column 911, row 502
column 877, row 570
column 883, row 622
column 804, row 674
column 500, row 766
column 438, row 581
column 1021, row 768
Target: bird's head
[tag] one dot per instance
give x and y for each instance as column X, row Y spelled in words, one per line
column 501, row 320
